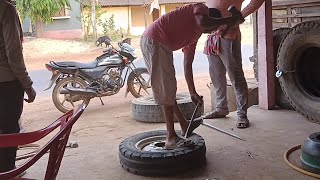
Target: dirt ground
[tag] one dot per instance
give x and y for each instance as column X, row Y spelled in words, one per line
column 101, row 128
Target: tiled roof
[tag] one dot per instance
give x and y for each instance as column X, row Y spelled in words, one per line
column 142, row 2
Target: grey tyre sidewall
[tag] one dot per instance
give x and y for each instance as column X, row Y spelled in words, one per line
column 146, row 110
column 290, row 50
column 56, row 89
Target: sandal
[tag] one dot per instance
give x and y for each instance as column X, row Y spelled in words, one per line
column 242, row 122
column 215, row 114
column 179, row 142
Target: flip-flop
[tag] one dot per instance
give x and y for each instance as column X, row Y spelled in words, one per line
column 215, row 115
column 242, row 123
column 179, row 142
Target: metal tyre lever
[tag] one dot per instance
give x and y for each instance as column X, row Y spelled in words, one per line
column 192, row 117
column 222, row 131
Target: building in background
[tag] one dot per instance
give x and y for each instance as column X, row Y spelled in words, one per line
column 134, row 15
column 65, row 24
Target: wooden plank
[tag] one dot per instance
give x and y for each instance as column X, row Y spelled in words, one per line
column 265, row 57
column 282, row 25
column 296, row 15
column 288, row 12
column 293, row 2
column 296, row 6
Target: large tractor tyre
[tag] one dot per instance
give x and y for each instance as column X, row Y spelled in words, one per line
column 278, row 35
column 144, row 154
column 144, row 109
column 298, row 60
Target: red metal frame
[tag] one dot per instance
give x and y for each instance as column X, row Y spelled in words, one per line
column 56, row 146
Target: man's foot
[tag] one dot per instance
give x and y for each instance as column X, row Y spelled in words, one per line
column 216, row 114
column 242, row 122
column 195, row 123
column 178, row 142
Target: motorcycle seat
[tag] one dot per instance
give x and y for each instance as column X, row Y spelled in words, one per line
column 72, row 64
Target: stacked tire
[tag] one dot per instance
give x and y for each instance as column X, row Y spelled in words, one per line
column 144, row 109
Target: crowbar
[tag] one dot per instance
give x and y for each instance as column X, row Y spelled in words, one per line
column 222, row 131
column 192, row 117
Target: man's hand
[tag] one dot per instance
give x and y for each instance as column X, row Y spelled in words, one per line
column 196, row 98
column 31, row 94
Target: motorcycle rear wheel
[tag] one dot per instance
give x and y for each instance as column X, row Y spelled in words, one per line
column 67, row 98
column 136, row 77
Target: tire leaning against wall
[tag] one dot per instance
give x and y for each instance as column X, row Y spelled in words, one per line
column 278, row 36
column 296, row 55
column 144, row 109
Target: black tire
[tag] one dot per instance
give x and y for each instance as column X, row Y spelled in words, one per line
column 160, row 162
column 278, row 35
column 133, row 79
column 298, row 59
column 56, row 92
column 146, row 110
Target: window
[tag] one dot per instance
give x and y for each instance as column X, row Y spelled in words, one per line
column 63, row 14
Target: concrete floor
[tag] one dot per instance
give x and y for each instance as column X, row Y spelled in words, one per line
column 270, row 135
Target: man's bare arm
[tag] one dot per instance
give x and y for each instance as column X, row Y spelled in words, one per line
column 251, row 7
column 188, row 72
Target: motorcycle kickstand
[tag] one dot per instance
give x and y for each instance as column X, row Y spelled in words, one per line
column 101, row 101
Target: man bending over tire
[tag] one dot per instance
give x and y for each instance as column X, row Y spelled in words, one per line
column 175, row 30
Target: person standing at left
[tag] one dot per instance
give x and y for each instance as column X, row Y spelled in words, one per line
column 14, row 79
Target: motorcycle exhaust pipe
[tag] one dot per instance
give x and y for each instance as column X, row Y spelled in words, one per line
column 79, row 91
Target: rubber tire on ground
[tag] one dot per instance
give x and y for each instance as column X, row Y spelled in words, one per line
column 166, row 162
column 144, row 109
column 291, row 48
column 278, row 35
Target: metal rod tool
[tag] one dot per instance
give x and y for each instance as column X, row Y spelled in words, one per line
column 208, row 125
column 192, row 117
column 223, row 131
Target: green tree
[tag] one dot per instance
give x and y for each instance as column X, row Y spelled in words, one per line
column 86, row 16
column 109, row 28
column 41, row 11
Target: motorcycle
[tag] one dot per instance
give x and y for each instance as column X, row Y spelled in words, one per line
column 105, row 76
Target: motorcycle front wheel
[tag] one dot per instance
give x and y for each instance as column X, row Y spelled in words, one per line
column 66, row 102
column 139, row 82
